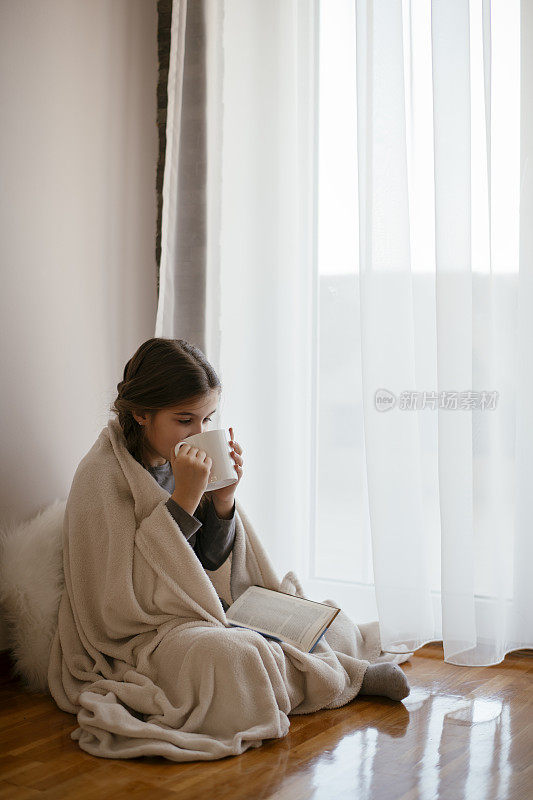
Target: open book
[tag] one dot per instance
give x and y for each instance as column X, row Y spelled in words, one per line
column 282, row 616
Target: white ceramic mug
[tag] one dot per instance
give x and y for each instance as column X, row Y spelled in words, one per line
column 216, row 445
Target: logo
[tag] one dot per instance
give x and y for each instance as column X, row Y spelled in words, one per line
column 384, row 400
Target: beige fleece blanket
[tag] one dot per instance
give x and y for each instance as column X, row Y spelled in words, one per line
column 143, row 653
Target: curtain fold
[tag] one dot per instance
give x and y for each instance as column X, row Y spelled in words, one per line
column 443, row 274
column 182, row 305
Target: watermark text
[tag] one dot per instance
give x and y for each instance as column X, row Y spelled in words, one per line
column 485, row 400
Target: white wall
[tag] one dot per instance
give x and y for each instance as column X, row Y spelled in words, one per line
column 78, row 156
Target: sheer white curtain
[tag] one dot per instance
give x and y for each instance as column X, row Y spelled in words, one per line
column 369, row 192
column 260, row 273
column 444, row 103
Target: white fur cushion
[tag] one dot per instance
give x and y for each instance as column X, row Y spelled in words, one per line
column 31, row 582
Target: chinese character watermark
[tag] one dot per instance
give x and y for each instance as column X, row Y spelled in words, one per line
column 384, row 400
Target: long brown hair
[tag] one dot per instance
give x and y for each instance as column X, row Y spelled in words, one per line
column 161, row 373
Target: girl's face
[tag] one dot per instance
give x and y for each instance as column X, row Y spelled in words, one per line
column 173, row 424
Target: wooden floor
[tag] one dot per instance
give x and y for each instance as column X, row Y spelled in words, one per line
column 463, row 732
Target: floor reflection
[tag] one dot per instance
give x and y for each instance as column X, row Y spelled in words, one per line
column 448, row 746
column 475, row 711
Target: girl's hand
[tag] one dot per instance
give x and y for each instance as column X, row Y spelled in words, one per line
column 191, row 468
column 223, row 498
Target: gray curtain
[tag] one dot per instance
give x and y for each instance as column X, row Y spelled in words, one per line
column 188, row 154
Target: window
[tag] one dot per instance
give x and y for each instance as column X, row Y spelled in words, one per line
column 343, row 545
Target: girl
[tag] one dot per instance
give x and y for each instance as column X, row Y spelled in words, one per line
column 143, row 653
column 170, row 391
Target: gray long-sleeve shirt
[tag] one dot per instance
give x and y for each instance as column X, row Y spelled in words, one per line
column 211, row 537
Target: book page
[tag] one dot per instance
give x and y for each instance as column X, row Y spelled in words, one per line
column 295, row 620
